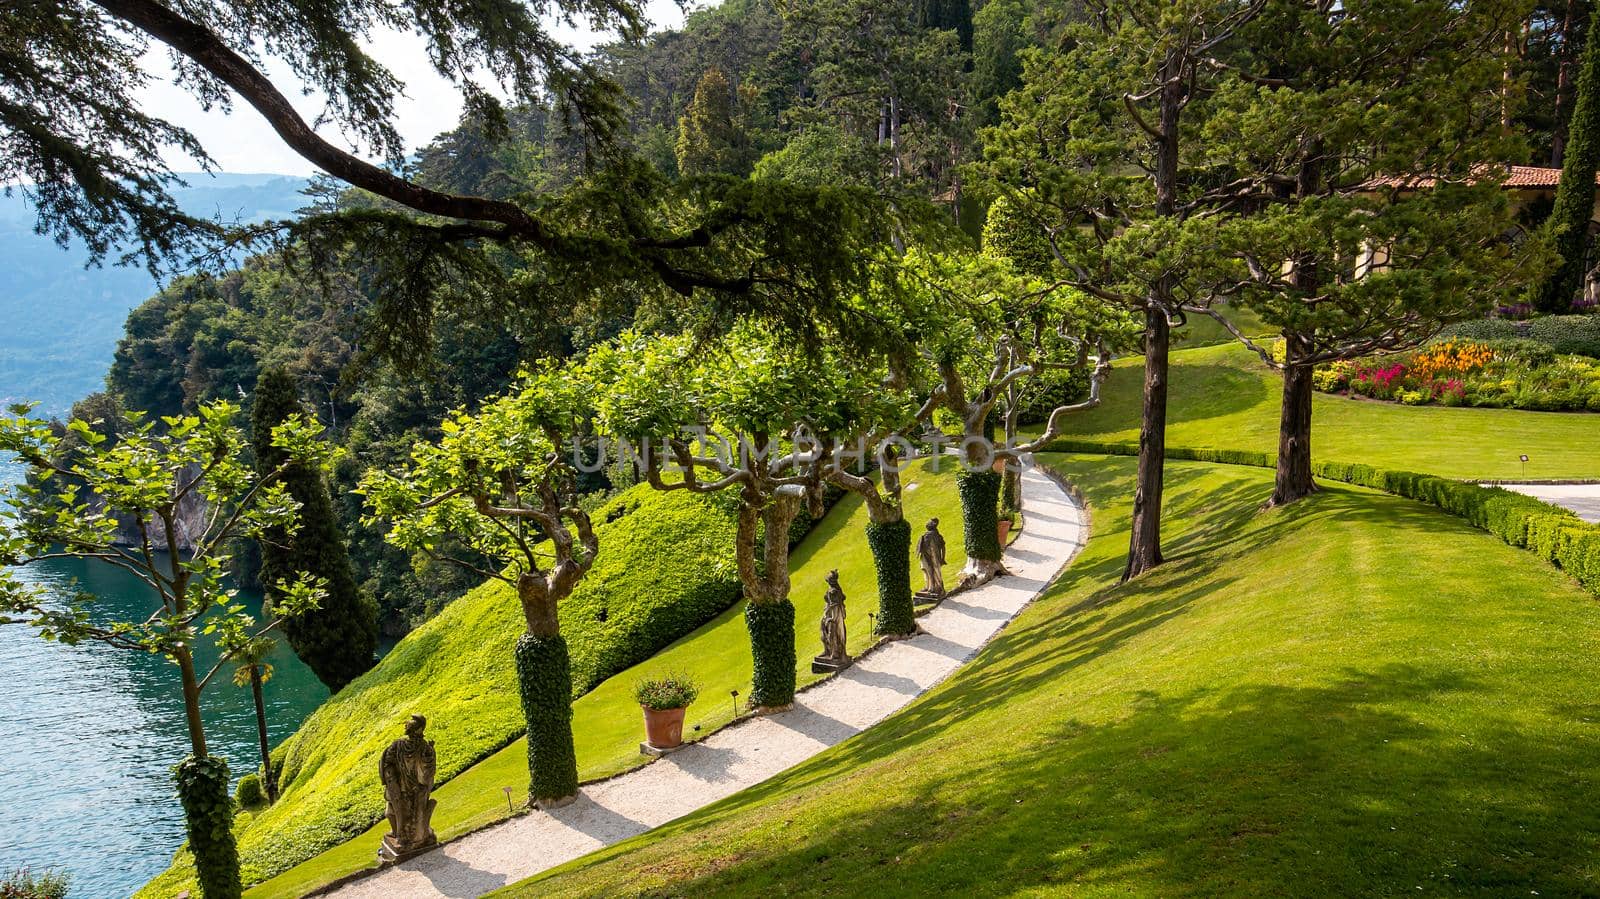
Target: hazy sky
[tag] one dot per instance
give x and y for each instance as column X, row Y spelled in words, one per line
column 241, row 141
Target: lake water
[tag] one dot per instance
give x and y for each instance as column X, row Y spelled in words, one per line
column 88, row 735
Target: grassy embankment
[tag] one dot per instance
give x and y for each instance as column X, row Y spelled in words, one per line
column 1357, row 694
column 606, row 722
column 1223, row 397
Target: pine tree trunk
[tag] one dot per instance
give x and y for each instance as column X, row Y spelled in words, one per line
column 268, row 779
column 1144, row 546
column 1574, row 205
column 1294, row 479
column 1570, row 48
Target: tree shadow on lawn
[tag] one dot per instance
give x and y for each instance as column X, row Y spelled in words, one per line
column 1343, row 788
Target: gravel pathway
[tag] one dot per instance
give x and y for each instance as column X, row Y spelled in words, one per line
column 876, row 686
column 1583, row 499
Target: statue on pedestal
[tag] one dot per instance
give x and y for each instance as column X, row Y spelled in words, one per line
column 407, row 769
column 930, row 550
column 834, row 656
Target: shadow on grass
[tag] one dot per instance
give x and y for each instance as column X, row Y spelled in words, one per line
column 1255, row 789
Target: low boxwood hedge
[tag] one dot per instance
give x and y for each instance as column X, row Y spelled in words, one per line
column 1554, row 534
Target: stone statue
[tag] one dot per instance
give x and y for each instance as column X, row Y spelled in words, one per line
column 407, row 769
column 930, row 549
column 834, row 656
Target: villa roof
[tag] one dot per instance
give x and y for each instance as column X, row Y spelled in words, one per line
column 1517, row 177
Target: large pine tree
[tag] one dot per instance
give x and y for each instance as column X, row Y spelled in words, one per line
column 1569, row 221
column 338, row 641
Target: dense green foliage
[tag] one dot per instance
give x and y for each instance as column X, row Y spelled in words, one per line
column 980, row 513
column 664, row 569
column 248, row 793
column 890, row 542
column 1575, row 334
column 544, row 683
column 1574, row 206
column 1323, row 698
column 208, row 815
column 338, row 640
column 771, row 626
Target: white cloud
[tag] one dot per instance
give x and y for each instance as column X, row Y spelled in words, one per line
column 242, row 141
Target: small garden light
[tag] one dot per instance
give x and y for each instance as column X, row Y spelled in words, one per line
column 735, row 695
column 508, row 799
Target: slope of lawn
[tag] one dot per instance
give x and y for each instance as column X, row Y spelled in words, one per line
column 665, row 568
column 607, row 725
column 1223, row 397
column 1354, row 695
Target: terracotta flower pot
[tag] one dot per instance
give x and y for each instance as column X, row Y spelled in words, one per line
column 663, row 727
column 1005, row 531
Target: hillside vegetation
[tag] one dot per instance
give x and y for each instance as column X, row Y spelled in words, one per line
column 1223, row 397
column 606, row 722
column 665, row 568
column 1352, row 695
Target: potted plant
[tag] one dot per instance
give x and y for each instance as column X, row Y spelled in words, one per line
column 1004, row 529
column 664, row 700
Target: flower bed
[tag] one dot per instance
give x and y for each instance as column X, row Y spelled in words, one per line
column 1511, row 374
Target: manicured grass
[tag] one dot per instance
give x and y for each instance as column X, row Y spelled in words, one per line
column 1223, row 397
column 1354, row 695
column 665, row 567
column 607, row 723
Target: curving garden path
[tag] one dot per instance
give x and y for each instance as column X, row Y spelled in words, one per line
column 880, row 683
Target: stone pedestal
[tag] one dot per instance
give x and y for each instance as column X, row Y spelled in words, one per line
column 656, row 752
column 390, row 852
column 827, row 664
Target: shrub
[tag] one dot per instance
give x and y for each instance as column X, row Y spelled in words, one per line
column 1053, row 387
column 1483, row 329
column 24, row 884
column 669, row 691
column 249, row 793
column 1577, row 335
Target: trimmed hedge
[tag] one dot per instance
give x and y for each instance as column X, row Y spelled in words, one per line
column 544, row 681
column 208, row 819
column 772, row 650
column 1578, row 335
column 1554, row 534
column 890, row 543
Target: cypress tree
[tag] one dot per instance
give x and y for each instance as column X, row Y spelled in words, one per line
column 1574, row 206
column 338, row 641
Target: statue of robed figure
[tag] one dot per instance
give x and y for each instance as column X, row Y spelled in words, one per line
column 930, row 551
column 834, row 655
column 407, row 770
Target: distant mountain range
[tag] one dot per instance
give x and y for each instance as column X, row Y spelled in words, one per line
column 60, row 321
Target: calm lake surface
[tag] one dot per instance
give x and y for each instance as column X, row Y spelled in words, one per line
column 88, row 735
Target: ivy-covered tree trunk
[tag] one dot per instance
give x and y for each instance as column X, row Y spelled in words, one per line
column 1144, row 545
column 980, row 521
column 769, row 615
column 890, row 542
column 1574, row 205
column 208, row 819
column 544, row 681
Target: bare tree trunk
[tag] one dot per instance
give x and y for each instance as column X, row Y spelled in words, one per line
column 1563, row 99
column 1294, row 479
column 191, row 702
column 268, row 779
column 1144, row 547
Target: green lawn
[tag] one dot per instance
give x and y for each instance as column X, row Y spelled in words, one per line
column 1354, row 695
column 607, row 724
column 1223, row 397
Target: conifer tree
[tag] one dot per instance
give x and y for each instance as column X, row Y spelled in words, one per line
column 1568, row 224
column 338, row 641
column 711, row 138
